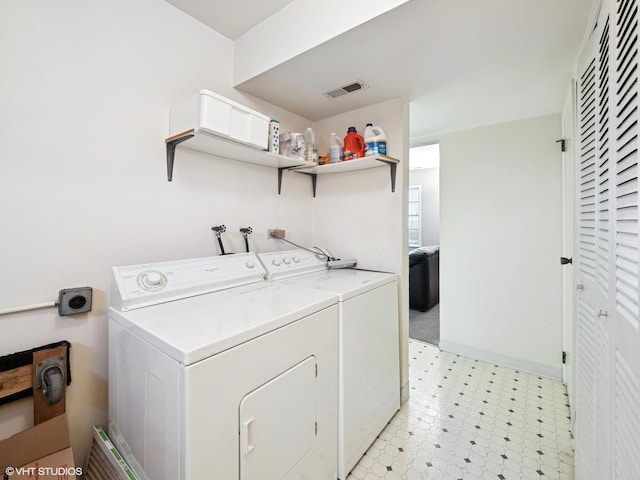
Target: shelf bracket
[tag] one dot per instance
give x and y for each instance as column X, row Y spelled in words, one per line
column 171, row 152
column 314, row 181
column 280, row 171
column 392, row 167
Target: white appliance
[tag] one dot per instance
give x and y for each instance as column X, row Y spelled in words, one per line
column 369, row 370
column 216, row 374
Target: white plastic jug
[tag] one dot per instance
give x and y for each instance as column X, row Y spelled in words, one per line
column 375, row 140
column 335, row 149
column 311, row 149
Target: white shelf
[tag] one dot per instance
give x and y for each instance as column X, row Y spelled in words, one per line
column 350, row 166
column 223, row 147
column 219, row 146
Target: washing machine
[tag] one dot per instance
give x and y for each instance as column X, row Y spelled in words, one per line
column 369, row 358
column 215, row 373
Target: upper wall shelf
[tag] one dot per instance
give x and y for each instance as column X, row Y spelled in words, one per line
column 351, row 165
column 223, row 147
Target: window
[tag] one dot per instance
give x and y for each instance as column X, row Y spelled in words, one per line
column 424, row 163
column 415, row 234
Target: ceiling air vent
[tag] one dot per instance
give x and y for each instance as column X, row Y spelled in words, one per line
column 352, row 87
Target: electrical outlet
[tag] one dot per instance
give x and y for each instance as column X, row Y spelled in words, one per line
column 275, row 233
column 74, row 300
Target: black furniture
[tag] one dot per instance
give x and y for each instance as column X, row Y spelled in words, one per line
column 424, row 277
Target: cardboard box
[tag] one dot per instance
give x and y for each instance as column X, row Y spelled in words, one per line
column 42, row 452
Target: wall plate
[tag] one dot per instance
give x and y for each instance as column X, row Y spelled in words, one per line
column 75, row 300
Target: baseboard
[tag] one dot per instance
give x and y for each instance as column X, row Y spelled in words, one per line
column 504, row 360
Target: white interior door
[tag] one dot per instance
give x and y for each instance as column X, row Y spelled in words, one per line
column 593, row 329
column 625, row 352
column 607, row 426
column 568, row 242
column 586, row 458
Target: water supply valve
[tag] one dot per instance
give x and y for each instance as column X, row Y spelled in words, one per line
column 246, row 231
column 219, row 230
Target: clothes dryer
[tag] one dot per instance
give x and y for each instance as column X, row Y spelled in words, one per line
column 216, row 374
column 369, row 358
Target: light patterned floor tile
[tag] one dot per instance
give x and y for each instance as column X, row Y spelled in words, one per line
column 472, row 420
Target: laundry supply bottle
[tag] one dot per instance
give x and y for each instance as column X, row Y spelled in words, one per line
column 311, row 148
column 353, row 144
column 335, row 149
column 375, row 140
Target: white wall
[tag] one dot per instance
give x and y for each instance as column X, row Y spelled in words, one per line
column 429, row 180
column 269, row 43
column 84, row 110
column 356, row 215
column 500, row 275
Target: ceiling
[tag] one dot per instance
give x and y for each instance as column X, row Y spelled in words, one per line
column 459, row 63
column 231, row 18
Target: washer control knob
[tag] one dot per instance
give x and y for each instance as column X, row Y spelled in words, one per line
column 296, row 259
column 152, row 280
column 286, row 261
column 275, row 262
column 250, row 264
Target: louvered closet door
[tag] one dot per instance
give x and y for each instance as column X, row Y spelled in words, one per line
column 607, row 423
column 593, row 270
column 603, row 252
column 626, row 331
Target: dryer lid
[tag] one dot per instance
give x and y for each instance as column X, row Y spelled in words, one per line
column 346, row 283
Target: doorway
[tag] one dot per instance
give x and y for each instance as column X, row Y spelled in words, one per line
column 424, row 243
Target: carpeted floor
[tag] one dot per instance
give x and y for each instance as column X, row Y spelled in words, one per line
column 425, row 326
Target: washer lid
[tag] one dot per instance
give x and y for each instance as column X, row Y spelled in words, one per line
column 345, row 282
column 192, row 329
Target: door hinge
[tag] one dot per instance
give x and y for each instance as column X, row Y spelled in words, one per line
column 564, row 358
column 563, row 144
column 316, row 370
column 316, row 429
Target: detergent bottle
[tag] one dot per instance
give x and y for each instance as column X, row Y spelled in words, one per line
column 311, row 148
column 353, row 144
column 335, row 149
column 375, row 140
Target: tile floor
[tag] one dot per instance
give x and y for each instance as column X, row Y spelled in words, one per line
column 472, row 420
